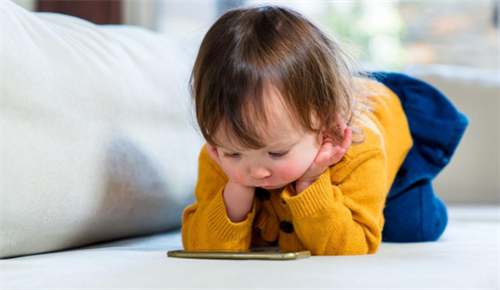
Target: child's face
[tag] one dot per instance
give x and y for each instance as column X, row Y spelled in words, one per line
column 288, row 155
column 264, row 168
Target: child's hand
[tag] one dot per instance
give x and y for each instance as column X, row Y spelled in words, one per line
column 238, row 198
column 328, row 155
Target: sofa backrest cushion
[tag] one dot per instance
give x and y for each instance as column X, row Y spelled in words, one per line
column 97, row 143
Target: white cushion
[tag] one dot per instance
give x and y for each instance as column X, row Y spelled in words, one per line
column 96, row 139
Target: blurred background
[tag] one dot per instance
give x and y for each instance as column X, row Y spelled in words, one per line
column 389, row 35
column 453, row 45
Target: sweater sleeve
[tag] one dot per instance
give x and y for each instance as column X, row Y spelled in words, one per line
column 344, row 218
column 205, row 224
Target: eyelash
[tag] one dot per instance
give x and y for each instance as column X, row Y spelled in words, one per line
column 274, row 155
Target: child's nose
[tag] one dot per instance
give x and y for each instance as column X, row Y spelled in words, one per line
column 259, row 172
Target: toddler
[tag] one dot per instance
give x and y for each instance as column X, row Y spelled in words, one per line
column 305, row 153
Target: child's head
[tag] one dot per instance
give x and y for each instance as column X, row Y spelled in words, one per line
column 266, row 79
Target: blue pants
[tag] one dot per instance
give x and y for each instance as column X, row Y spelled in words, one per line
column 413, row 213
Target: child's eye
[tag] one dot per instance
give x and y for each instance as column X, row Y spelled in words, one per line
column 279, row 155
column 235, row 155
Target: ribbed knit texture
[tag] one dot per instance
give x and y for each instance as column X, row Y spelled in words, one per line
column 341, row 213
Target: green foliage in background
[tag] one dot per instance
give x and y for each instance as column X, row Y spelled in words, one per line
column 372, row 33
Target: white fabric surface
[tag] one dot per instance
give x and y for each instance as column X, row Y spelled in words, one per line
column 96, row 142
column 466, row 256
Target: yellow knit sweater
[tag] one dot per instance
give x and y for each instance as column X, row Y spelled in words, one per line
column 341, row 213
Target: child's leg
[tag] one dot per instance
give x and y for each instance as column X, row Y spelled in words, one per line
column 415, row 215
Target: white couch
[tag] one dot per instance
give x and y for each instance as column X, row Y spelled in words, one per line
column 99, row 158
column 465, row 257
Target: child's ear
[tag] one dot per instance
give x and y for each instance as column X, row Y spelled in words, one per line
column 213, row 153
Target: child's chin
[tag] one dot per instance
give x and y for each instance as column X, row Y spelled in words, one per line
column 275, row 187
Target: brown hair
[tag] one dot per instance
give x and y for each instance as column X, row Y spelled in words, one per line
column 248, row 48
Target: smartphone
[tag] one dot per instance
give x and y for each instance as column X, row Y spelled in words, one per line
column 251, row 254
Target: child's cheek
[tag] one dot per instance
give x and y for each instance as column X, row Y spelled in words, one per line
column 234, row 174
column 239, row 178
column 289, row 172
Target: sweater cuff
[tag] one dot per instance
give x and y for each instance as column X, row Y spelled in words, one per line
column 223, row 226
column 313, row 199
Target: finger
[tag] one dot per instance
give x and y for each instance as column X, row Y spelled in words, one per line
column 346, row 143
column 338, row 155
column 333, row 157
column 341, row 123
column 325, row 154
column 327, row 146
column 327, row 150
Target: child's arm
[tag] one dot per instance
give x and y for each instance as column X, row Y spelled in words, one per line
column 238, row 200
column 341, row 213
column 206, row 224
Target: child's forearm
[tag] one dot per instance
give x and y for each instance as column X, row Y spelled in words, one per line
column 239, row 200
